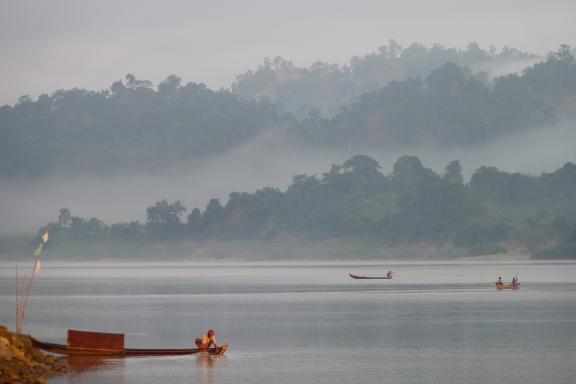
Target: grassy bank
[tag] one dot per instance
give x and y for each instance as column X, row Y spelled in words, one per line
column 353, row 248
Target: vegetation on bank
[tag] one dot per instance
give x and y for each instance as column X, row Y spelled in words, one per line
column 411, row 205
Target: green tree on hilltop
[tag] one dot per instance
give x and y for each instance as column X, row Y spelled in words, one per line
column 163, row 219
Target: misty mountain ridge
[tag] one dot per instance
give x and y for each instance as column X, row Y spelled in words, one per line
column 325, row 88
column 132, row 126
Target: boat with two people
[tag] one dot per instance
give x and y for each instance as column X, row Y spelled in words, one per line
column 515, row 284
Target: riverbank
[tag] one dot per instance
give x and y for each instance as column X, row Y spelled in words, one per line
column 285, row 248
column 20, row 362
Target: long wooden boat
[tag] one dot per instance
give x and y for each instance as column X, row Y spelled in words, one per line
column 500, row 286
column 87, row 343
column 370, row 277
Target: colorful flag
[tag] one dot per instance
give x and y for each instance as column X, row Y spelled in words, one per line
column 40, row 247
column 38, row 250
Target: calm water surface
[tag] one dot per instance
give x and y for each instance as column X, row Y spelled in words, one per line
column 311, row 323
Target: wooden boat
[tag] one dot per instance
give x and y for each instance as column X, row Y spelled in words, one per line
column 500, row 286
column 370, row 278
column 111, row 344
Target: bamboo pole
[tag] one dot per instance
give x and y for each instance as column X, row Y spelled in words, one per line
column 27, row 294
column 17, row 304
column 21, row 304
column 22, row 301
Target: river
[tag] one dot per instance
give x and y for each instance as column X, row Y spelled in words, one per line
column 435, row 322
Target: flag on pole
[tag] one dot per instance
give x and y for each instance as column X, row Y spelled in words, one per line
column 38, row 250
column 40, row 247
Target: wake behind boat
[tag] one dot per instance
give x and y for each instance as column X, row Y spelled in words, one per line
column 388, row 276
column 111, row 344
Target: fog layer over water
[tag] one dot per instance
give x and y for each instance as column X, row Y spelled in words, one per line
column 265, row 161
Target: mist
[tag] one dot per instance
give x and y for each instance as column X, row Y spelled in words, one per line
column 264, row 161
column 64, row 44
column 494, row 70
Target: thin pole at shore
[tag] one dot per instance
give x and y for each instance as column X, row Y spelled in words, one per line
column 17, row 303
column 23, row 292
column 21, row 305
column 27, row 294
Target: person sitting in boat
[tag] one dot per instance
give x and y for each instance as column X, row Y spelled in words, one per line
column 389, row 274
column 515, row 281
column 499, row 280
column 209, row 340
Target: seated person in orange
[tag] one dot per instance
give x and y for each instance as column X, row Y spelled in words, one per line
column 208, row 340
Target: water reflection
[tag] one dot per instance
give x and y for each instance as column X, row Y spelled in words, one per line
column 82, row 364
column 208, row 366
column 82, row 367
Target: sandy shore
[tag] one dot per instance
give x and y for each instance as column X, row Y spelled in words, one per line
column 20, row 362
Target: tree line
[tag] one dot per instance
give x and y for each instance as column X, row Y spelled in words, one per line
column 411, row 204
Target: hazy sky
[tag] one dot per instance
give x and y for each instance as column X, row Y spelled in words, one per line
column 48, row 45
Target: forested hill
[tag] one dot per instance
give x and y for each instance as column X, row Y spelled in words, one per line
column 134, row 125
column 131, row 126
column 453, row 107
column 326, row 87
column 412, row 204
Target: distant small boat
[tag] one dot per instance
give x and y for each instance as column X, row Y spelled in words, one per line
column 500, row 286
column 388, row 277
column 111, row 344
